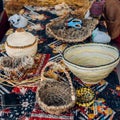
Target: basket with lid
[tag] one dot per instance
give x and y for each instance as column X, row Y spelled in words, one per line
column 21, row 43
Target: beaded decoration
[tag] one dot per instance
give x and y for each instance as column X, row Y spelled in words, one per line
column 85, row 97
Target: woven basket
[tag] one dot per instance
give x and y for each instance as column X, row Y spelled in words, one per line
column 55, row 96
column 57, row 28
column 91, row 62
column 20, row 44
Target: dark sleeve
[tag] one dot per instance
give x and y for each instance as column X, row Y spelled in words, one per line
column 1, row 6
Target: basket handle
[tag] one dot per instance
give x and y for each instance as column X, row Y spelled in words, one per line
column 66, row 73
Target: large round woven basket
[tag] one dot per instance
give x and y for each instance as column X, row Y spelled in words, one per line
column 57, row 28
column 55, row 96
column 91, row 62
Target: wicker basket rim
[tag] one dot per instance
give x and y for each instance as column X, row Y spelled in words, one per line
column 53, row 107
column 64, row 39
column 91, row 67
column 20, row 47
column 61, row 107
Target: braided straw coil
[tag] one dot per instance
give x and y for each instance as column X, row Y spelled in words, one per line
column 20, row 44
column 55, row 96
column 91, row 62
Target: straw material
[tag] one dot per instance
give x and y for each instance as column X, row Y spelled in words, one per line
column 80, row 7
column 58, row 29
column 91, row 62
column 15, row 51
column 55, row 96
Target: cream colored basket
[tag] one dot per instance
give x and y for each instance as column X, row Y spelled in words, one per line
column 20, row 44
column 91, row 62
column 55, row 96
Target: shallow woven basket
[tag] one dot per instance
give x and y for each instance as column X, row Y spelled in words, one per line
column 55, row 96
column 91, row 62
column 57, row 28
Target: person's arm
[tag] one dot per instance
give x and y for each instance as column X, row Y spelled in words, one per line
column 112, row 17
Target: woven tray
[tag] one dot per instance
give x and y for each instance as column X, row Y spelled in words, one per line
column 57, row 29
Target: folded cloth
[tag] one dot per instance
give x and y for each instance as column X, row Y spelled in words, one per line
column 4, row 24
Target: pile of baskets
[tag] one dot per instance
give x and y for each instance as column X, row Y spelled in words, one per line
column 91, row 62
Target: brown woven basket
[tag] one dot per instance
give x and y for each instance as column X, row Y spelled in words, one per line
column 55, row 96
column 58, row 29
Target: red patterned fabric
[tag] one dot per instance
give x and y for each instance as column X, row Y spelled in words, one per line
column 38, row 114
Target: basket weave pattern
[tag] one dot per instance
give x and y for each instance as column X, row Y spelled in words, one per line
column 15, row 51
column 91, row 62
column 57, row 29
column 55, row 96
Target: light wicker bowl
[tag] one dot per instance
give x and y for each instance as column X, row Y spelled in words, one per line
column 91, row 62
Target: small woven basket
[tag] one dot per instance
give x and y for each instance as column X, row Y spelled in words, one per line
column 55, row 96
column 15, row 51
column 58, row 29
column 21, row 43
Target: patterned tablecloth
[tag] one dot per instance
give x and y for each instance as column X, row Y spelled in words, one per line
column 19, row 103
